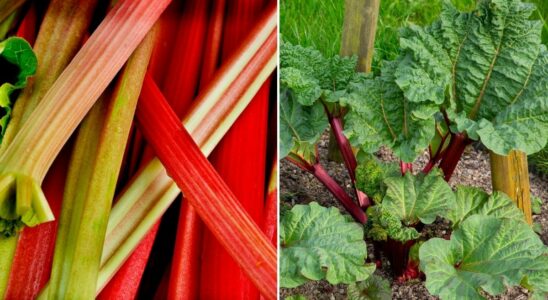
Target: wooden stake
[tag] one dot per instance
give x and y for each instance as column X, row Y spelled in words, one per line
column 360, row 25
column 510, row 175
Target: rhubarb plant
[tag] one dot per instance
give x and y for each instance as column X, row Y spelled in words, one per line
column 482, row 75
column 311, row 87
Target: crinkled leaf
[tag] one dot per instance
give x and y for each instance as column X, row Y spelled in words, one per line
column 418, row 198
column 537, row 277
column 383, row 225
column 306, row 89
column 374, row 288
column 320, row 243
column 492, row 74
column 485, row 252
column 472, row 201
column 370, row 175
column 300, row 126
column 381, row 115
column 331, row 74
column 17, row 63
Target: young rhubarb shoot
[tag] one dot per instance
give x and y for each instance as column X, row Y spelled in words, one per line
column 221, row 213
column 27, row 158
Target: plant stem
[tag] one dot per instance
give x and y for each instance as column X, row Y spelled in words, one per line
column 7, row 7
column 404, row 167
column 91, row 182
column 214, row 202
column 151, row 191
column 270, row 215
column 348, row 157
column 355, row 211
column 185, row 267
column 453, row 153
column 59, row 38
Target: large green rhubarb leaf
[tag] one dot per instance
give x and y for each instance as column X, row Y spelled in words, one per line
column 418, row 198
column 306, row 71
column 472, row 201
column 17, row 63
column 320, row 243
column 300, row 126
column 381, row 115
column 537, row 277
column 491, row 76
column 485, row 252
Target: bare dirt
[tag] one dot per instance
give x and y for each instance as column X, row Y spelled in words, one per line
column 299, row 187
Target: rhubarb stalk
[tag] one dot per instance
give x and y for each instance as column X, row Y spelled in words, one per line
column 152, row 191
column 92, row 178
column 206, row 191
column 184, row 279
column 240, row 159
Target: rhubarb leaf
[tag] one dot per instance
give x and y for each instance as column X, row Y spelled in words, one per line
column 485, row 252
column 472, row 201
column 418, row 198
column 330, row 74
column 381, row 115
column 492, row 78
column 383, row 225
column 537, row 277
column 321, row 243
column 374, row 288
column 300, row 126
column 17, row 62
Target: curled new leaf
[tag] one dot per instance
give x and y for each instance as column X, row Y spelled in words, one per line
column 485, row 252
column 320, row 243
column 17, row 62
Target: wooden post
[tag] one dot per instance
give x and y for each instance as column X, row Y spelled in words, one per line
column 510, row 174
column 358, row 38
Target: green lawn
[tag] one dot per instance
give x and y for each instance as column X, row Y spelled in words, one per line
column 318, row 23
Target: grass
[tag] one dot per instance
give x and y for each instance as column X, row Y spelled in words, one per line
column 318, row 23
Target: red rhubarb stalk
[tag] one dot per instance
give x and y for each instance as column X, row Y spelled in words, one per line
column 404, row 167
column 452, row 155
column 126, row 282
column 240, row 159
column 34, row 254
column 270, row 214
column 206, row 191
column 213, row 113
column 27, row 28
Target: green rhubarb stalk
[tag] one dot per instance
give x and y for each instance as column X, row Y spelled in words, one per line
column 8, row 24
column 39, row 140
column 7, row 7
column 91, row 183
column 151, row 191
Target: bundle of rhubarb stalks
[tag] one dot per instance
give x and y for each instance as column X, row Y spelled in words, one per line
column 138, row 149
